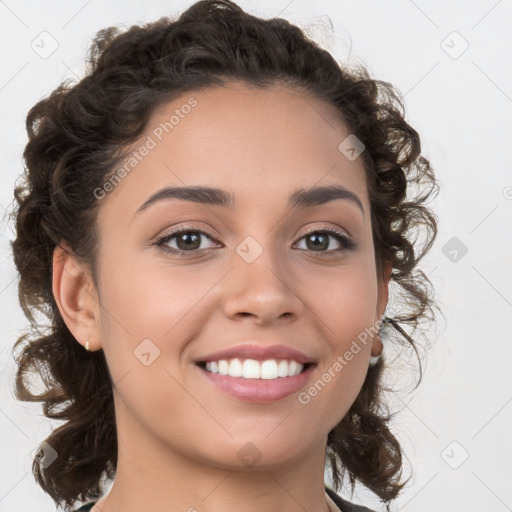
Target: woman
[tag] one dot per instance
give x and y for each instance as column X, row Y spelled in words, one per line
column 211, row 219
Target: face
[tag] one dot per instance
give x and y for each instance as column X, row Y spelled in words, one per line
column 274, row 280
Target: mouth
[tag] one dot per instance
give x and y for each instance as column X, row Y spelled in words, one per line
column 254, row 381
column 269, row 369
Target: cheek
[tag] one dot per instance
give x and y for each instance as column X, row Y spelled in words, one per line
column 152, row 311
column 150, row 300
column 147, row 315
column 335, row 386
column 346, row 301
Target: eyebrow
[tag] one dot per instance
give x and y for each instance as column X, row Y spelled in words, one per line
column 218, row 197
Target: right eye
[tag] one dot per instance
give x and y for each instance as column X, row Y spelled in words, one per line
column 187, row 240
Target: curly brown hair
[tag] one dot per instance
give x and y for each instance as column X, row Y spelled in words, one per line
column 79, row 133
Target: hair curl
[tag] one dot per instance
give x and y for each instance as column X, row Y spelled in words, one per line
column 78, row 134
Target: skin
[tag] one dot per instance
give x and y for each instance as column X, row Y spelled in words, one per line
column 178, row 434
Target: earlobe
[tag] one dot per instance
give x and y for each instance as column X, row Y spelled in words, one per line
column 377, row 346
column 75, row 294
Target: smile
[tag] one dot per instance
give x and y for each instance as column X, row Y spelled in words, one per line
column 254, row 381
column 252, row 369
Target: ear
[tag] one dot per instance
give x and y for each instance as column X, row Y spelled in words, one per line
column 76, row 296
column 383, row 289
column 382, row 301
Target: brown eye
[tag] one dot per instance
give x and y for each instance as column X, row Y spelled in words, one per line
column 319, row 240
column 185, row 241
column 188, row 240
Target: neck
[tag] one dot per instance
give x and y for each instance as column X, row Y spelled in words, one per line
column 151, row 476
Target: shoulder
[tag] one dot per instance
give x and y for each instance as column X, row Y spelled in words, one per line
column 86, row 507
column 345, row 506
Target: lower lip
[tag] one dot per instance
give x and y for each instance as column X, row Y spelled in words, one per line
column 260, row 391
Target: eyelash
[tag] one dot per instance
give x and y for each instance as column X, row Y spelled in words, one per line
column 347, row 243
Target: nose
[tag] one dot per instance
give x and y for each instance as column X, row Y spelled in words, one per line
column 264, row 289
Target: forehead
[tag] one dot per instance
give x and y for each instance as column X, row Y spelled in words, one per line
column 253, row 142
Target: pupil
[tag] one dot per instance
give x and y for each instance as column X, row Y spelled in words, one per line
column 188, row 239
column 316, row 242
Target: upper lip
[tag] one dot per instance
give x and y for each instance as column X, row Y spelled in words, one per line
column 259, row 353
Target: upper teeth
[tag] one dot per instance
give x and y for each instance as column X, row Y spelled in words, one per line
column 252, row 369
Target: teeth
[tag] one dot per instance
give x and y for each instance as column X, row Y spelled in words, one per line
column 252, row 369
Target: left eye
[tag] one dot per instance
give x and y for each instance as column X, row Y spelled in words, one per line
column 319, row 239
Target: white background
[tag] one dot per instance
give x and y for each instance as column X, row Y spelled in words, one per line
column 462, row 108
